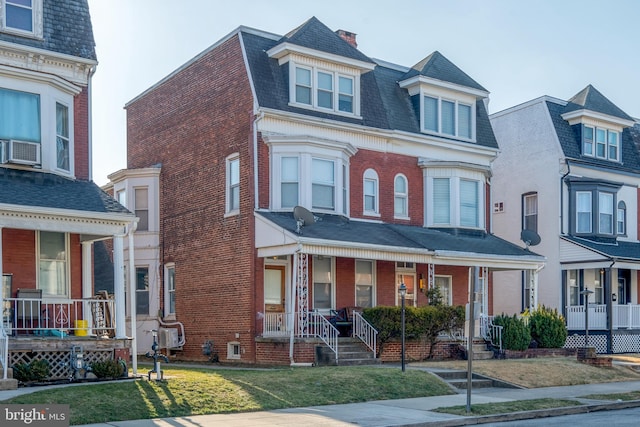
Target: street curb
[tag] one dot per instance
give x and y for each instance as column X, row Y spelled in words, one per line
column 527, row 415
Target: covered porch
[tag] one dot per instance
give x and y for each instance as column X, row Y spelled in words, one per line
column 50, row 308
column 391, row 255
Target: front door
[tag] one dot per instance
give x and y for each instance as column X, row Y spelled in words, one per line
column 274, row 288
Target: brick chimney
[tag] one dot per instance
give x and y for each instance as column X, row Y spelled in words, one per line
column 348, row 37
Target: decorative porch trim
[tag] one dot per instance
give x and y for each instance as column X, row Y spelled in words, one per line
column 431, row 275
column 302, row 293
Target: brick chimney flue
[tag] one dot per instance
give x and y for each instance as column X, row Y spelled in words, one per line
column 348, row 37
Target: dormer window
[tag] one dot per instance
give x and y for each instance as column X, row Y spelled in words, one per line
column 447, row 117
column 601, row 143
column 324, row 90
column 21, row 17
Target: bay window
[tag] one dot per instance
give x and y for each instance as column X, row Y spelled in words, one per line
column 469, row 203
column 454, row 198
column 323, row 184
column 593, row 207
column 605, row 211
column 289, row 181
column 583, row 212
column 621, row 218
column 441, row 201
column 62, row 137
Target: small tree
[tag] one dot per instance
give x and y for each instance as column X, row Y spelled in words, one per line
column 548, row 328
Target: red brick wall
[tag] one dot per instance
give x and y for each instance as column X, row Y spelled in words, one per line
column 387, row 166
column 415, row 350
column 190, row 123
column 276, row 352
column 81, row 134
column 19, row 259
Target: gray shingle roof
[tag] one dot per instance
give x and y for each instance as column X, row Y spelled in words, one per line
column 438, row 67
column 46, row 190
column 66, row 29
column 571, row 143
column 341, row 229
column 619, row 250
column 591, row 99
column 384, row 104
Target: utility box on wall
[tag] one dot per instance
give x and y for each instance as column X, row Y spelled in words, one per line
column 168, row 338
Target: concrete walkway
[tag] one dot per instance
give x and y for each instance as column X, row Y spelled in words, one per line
column 401, row 412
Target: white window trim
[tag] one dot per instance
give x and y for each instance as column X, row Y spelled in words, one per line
column 405, row 196
column 371, row 175
column 449, row 286
column 67, row 267
column 404, row 271
column 621, row 209
column 590, row 193
column 305, row 151
column 373, row 280
column 454, row 176
column 36, row 15
column 314, row 89
column 613, row 215
column 231, row 354
column 449, row 98
column 49, row 95
column 167, row 300
column 607, row 145
column 227, row 202
column 333, row 287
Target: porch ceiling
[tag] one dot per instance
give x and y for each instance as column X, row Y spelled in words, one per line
column 334, row 235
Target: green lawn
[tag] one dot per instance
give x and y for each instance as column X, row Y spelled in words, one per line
column 190, row 391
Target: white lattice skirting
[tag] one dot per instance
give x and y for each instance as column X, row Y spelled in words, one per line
column 59, row 361
column 597, row 341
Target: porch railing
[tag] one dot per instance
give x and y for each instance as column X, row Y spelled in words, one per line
column 278, row 325
column 626, row 316
column 47, row 317
column 491, row 332
column 4, row 351
column 365, row 332
column 597, row 317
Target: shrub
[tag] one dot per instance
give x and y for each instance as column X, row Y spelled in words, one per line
column 515, row 334
column 107, row 369
column 37, row 370
column 420, row 322
column 548, row 328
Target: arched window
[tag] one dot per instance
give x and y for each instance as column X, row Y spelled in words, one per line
column 622, row 218
column 401, row 196
column 370, row 192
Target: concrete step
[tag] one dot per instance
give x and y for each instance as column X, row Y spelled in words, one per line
column 475, row 383
column 8, row 384
column 351, row 351
column 458, row 379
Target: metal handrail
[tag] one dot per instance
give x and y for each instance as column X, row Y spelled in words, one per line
column 365, row 332
column 4, row 348
column 320, row 327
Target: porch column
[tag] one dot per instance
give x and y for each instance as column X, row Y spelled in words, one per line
column 118, row 285
column 132, row 299
column 533, row 289
column 87, row 283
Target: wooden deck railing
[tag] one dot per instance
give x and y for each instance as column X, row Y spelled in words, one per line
column 623, row 316
column 48, row 317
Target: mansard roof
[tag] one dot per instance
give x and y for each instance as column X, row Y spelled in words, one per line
column 66, row 29
column 436, row 66
column 591, row 99
column 51, row 191
column 383, row 104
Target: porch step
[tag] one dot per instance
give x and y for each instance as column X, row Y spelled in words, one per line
column 458, row 380
column 481, row 352
column 10, row 383
column 351, row 351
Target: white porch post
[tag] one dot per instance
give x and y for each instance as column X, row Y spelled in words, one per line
column 132, row 300
column 87, row 283
column 533, row 289
column 118, row 285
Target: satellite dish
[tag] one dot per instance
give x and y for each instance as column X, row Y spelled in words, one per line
column 303, row 217
column 530, row 238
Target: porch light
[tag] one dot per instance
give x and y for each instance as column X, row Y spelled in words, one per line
column 614, row 297
column 403, row 292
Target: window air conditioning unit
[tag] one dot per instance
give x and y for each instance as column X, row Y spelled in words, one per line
column 22, row 152
column 168, row 338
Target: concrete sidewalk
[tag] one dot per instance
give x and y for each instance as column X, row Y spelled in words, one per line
column 401, row 412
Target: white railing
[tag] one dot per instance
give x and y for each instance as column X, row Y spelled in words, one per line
column 275, row 325
column 4, row 351
column 597, row 317
column 320, row 327
column 626, row 316
column 365, row 332
column 46, row 317
column 491, row 332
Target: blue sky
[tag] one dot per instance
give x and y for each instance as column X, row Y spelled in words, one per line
column 518, row 50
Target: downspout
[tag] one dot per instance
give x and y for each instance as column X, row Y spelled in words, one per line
column 256, row 192
column 562, row 196
column 607, row 286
